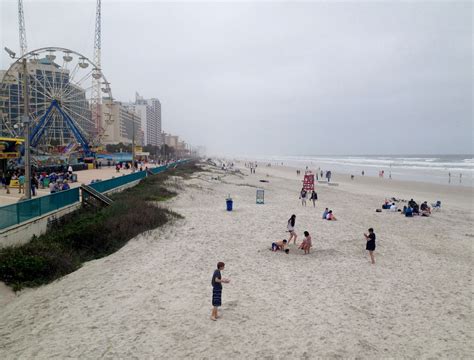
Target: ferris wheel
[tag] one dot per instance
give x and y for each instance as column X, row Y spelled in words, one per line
column 61, row 108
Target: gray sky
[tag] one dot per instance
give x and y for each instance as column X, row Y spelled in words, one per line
column 282, row 78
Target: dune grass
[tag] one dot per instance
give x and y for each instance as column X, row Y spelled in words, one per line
column 90, row 233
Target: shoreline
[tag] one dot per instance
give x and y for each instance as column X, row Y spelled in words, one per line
column 424, row 175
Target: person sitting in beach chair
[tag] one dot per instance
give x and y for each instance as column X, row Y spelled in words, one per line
column 330, row 216
column 279, row 245
column 408, row 211
column 306, row 244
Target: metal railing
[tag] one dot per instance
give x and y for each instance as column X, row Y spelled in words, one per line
column 26, row 210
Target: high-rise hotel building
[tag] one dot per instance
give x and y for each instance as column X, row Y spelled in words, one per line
column 149, row 111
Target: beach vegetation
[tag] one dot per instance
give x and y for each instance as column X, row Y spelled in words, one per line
column 90, row 233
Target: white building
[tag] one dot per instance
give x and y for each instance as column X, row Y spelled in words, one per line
column 149, row 111
column 124, row 125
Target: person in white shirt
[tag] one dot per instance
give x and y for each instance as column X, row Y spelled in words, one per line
column 393, row 207
column 291, row 229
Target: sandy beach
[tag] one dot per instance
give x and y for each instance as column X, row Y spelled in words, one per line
column 152, row 299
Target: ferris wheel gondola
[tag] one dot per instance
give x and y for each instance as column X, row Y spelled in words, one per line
column 60, row 99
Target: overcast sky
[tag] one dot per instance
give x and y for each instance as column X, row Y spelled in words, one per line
column 280, row 78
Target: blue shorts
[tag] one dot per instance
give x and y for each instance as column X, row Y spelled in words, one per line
column 216, row 297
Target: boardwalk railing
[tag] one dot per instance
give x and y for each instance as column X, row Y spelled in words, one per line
column 26, row 210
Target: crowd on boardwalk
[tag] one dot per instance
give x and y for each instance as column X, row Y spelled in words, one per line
column 54, row 181
column 60, row 177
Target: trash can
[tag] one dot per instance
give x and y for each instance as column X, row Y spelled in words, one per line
column 229, row 204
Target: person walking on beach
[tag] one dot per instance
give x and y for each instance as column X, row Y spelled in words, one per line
column 370, row 246
column 328, row 175
column 291, row 229
column 217, row 282
column 314, row 197
column 303, row 195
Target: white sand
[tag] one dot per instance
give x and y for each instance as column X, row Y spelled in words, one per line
column 152, row 298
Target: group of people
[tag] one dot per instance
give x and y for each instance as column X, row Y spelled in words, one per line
column 252, row 166
column 55, row 181
column 413, row 209
column 6, row 180
column 319, row 173
column 328, row 215
column 304, row 195
column 128, row 165
column 282, row 245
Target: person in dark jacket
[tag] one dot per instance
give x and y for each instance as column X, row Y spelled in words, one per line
column 370, row 246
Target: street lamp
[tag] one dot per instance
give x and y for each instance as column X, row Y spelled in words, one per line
column 26, row 122
column 133, row 145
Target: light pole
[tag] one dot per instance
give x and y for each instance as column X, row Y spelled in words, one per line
column 26, row 123
column 133, row 146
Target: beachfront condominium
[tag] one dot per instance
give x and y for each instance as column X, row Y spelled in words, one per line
column 124, row 124
column 149, row 111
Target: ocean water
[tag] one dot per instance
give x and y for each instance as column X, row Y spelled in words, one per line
column 425, row 168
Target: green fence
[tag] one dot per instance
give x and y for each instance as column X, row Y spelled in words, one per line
column 25, row 210
column 106, row 185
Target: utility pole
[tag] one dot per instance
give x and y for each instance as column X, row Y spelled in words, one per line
column 133, row 147
column 21, row 28
column 26, row 123
column 97, row 75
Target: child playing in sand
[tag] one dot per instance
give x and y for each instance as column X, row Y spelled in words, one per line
column 217, row 282
column 370, row 244
column 291, row 229
column 330, row 216
column 279, row 245
column 306, row 244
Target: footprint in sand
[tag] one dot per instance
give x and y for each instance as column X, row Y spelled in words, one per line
column 232, row 304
